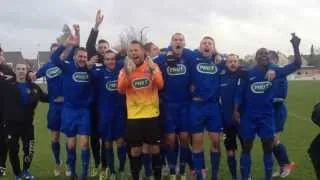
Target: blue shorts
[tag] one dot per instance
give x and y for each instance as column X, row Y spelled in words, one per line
column 175, row 117
column 75, row 121
column 251, row 124
column 54, row 116
column 280, row 116
column 204, row 116
column 111, row 124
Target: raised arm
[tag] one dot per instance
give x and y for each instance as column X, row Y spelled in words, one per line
column 91, row 42
column 55, row 57
column 295, row 65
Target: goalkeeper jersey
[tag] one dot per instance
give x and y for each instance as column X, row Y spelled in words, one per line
column 141, row 89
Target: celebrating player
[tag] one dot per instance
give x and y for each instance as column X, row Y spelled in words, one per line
column 77, row 98
column 228, row 84
column 52, row 73
column 98, row 54
column 280, row 116
column 176, row 98
column 112, row 113
column 256, row 99
column 204, row 108
column 140, row 80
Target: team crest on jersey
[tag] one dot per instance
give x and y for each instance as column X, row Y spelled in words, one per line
column 207, row 68
column 180, row 69
column 260, row 87
column 28, row 91
column 53, row 72
column 141, row 83
column 111, row 85
column 80, row 77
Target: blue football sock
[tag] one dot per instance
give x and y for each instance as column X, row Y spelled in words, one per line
column 189, row 161
column 245, row 165
column 281, row 155
column 198, row 163
column 163, row 155
column 268, row 164
column 147, row 164
column 55, row 146
column 215, row 162
column 122, row 154
column 71, row 160
column 85, row 160
column 232, row 163
column 172, row 157
column 110, row 159
column 183, row 158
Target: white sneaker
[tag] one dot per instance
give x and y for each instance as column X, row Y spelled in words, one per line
column 287, row 169
column 68, row 172
column 165, row 171
column 57, row 170
column 2, row 171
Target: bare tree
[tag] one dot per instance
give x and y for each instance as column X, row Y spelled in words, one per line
column 131, row 34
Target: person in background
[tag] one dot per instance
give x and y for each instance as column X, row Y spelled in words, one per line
column 22, row 101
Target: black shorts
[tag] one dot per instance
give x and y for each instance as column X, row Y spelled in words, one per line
column 230, row 137
column 143, row 131
column 313, row 151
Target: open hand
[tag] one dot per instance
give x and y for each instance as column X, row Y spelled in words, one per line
column 99, row 18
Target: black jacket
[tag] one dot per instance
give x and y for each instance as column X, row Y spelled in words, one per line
column 91, row 45
column 15, row 115
column 4, row 82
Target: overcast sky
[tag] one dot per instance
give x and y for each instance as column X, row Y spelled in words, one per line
column 239, row 26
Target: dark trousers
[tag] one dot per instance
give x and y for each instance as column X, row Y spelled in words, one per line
column 3, row 146
column 97, row 149
column 26, row 135
column 314, row 154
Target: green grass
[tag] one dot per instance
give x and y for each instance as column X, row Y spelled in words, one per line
column 299, row 132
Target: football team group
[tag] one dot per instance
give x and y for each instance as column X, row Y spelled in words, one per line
column 150, row 105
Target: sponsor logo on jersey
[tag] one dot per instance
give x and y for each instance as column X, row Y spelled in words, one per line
column 80, row 77
column 207, row 68
column 141, row 83
column 53, row 72
column 180, row 69
column 111, row 85
column 260, row 87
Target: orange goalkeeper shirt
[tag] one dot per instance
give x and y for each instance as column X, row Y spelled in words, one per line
column 141, row 89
